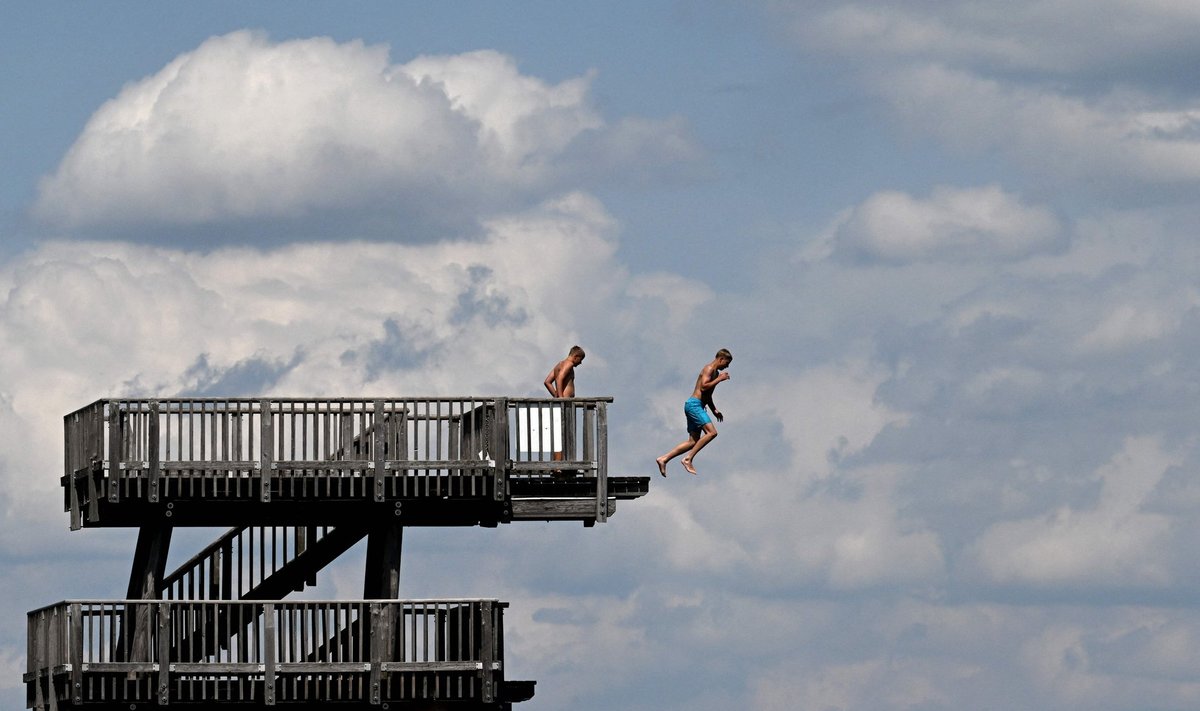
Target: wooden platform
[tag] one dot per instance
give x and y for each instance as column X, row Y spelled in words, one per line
column 432, row 461
column 404, row 654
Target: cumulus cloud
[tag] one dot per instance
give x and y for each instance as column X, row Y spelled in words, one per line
column 953, row 224
column 1065, row 547
column 245, row 130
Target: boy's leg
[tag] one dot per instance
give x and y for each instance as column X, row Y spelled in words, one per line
column 710, row 433
column 675, row 452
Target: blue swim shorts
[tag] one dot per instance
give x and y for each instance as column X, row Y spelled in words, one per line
column 697, row 416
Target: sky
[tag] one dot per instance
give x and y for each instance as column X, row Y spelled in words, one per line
column 952, row 246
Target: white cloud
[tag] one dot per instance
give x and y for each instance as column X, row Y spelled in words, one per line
column 1114, row 543
column 1065, row 36
column 954, row 224
column 1130, row 325
column 242, row 128
column 1119, row 137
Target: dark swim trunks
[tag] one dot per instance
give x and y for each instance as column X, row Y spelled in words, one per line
column 697, row 416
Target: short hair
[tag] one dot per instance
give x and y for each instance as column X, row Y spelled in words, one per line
column 724, row 353
column 576, row 350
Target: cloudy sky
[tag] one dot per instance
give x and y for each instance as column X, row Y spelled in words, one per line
column 952, row 245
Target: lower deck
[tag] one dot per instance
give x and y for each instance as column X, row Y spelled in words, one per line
column 416, row 654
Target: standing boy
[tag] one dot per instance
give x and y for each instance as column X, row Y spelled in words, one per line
column 700, row 427
column 560, row 383
column 561, row 380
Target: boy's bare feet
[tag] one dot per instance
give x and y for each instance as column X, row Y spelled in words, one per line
column 687, row 464
column 662, row 466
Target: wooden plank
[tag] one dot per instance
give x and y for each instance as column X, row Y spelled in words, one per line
column 551, row 509
column 432, row 666
column 217, row 668
column 552, row 466
column 121, row 667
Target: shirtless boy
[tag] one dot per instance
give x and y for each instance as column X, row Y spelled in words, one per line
column 701, row 429
column 561, row 380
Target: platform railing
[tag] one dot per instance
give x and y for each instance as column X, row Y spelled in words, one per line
column 128, row 447
column 264, row 651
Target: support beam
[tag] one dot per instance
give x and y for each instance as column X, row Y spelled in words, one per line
column 381, row 580
column 149, row 562
column 149, row 565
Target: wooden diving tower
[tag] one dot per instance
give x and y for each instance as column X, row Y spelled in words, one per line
column 299, row 481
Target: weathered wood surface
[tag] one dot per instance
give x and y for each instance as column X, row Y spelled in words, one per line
column 272, row 653
column 281, row 461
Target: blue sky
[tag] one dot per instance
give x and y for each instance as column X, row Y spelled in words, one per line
column 952, row 247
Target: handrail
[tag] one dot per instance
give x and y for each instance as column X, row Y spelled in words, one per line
column 263, row 640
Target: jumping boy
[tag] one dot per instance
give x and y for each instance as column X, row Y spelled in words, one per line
column 700, row 427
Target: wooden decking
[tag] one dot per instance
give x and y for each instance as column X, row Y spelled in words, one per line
column 431, row 461
column 407, row 654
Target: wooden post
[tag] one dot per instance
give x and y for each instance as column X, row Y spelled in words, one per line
column 601, row 462
column 53, row 657
column 149, row 562
column 568, row 431
column 589, row 439
column 487, row 651
column 145, row 580
column 75, row 650
column 112, row 415
column 377, row 448
column 152, row 453
column 499, row 448
column 164, row 651
column 266, row 449
column 269, row 670
column 385, row 542
column 376, row 646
